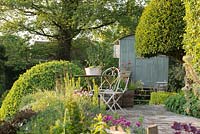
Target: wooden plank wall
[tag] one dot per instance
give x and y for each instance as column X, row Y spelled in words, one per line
column 151, row 70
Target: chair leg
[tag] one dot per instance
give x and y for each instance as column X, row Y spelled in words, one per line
column 112, row 102
column 115, row 102
column 107, row 101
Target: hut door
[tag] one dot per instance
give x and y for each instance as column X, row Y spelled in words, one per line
column 127, row 55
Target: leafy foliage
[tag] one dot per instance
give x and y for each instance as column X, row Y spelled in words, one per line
column 176, row 75
column 43, row 51
column 86, row 52
column 17, row 52
column 192, row 36
column 58, row 113
column 17, row 55
column 192, row 105
column 99, row 126
column 192, row 47
column 20, row 55
column 160, row 29
column 51, row 109
column 100, row 54
column 175, row 103
column 159, row 97
column 63, row 20
column 3, row 96
column 39, row 77
column 11, row 127
column 2, row 68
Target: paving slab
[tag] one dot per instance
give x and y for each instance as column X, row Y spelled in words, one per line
column 157, row 114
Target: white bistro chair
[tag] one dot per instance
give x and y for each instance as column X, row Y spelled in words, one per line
column 110, row 91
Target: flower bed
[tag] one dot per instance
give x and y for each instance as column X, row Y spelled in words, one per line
column 184, row 128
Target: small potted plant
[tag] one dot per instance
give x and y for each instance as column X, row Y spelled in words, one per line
column 93, row 70
column 127, row 99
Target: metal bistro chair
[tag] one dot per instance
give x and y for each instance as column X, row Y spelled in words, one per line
column 110, row 91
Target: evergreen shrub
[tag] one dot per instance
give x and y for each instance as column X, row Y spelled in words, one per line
column 159, row 97
column 39, row 77
column 192, row 35
column 160, row 29
column 192, row 48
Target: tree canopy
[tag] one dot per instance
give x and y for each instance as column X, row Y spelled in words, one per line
column 63, row 20
column 161, row 28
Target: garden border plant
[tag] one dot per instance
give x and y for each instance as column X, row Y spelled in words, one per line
column 65, row 111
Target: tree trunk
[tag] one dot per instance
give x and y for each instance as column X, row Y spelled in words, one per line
column 64, row 50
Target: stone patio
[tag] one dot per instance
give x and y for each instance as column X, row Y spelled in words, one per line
column 156, row 114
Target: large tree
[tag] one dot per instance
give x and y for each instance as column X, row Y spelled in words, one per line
column 62, row 20
column 161, row 28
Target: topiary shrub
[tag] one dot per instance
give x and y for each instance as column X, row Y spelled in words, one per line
column 160, row 29
column 159, row 97
column 39, row 77
column 192, row 36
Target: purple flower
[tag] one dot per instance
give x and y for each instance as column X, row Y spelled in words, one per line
column 186, row 127
column 176, row 126
column 115, row 122
column 120, row 121
column 198, row 131
column 128, row 124
column 193, row 129
column 180, row 127
column 107, row 118
column 138, row 124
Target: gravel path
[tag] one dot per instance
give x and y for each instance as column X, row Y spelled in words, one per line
column 156, row 114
